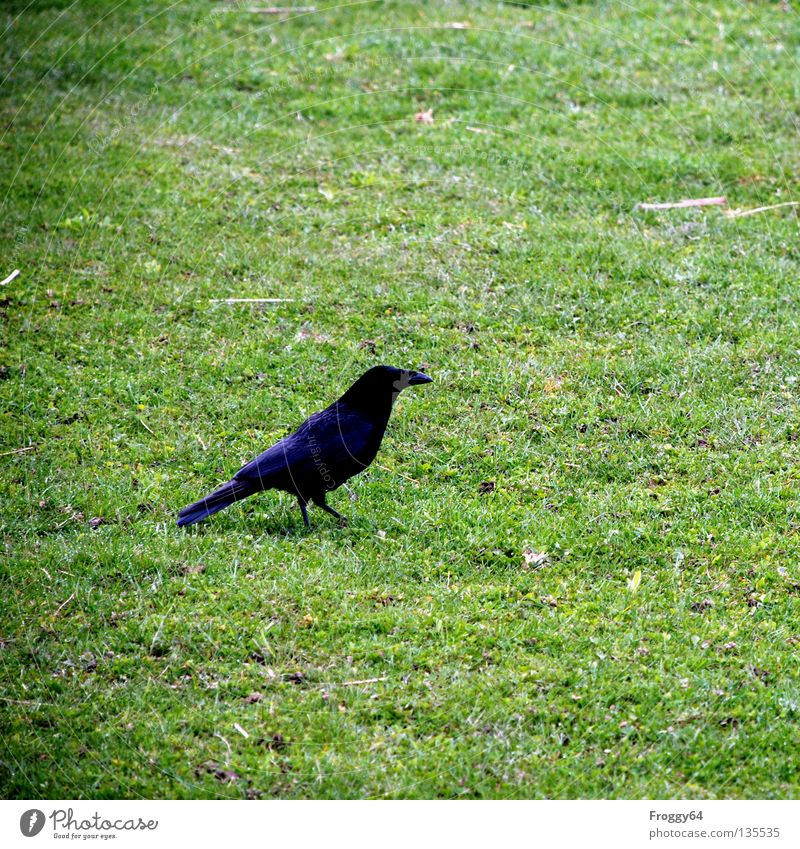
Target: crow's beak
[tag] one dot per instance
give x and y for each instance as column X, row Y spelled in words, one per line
column 417, row 377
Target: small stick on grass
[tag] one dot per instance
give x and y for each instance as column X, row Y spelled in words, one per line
column 18, row 450
column 10, row 277
column 684, row 204
column 252, row 300
column 279, row 10
column 363, row 681
column 63, row 605
column 743, row 213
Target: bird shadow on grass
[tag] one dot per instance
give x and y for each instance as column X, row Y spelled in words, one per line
column 283, row 521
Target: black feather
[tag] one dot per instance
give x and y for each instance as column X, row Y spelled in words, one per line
column 218, row 500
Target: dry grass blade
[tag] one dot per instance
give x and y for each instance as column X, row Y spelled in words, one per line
column 227, row 746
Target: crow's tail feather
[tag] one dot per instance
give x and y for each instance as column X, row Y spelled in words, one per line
column 218, row 500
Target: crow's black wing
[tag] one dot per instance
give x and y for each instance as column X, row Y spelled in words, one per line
column 271, row 467
column 326, row 450
column 344, row 441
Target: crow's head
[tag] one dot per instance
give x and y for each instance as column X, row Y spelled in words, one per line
column 383, row 384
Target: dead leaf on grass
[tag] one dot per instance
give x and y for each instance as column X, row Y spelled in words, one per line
column 276, row 742
column 221, row 774
column 253, row 698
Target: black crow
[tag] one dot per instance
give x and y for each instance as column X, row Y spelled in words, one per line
column 324, row 452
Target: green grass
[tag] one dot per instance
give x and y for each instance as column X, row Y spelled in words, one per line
column 629, row 380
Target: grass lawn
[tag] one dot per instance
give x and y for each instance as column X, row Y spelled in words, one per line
column 452, row 186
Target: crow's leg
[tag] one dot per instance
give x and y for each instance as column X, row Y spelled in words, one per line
column 304, row 512
column 320, row 502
